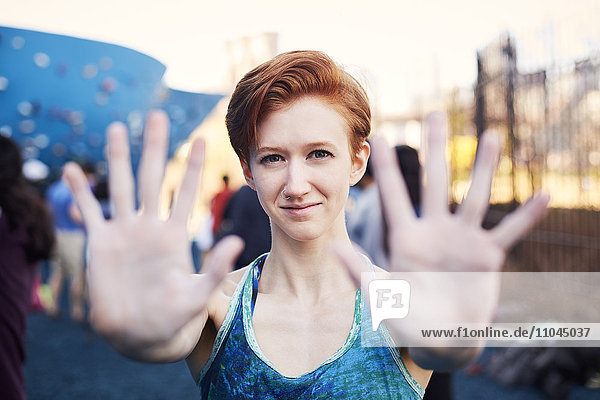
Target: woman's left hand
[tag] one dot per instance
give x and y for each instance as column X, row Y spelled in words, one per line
column 430, row 250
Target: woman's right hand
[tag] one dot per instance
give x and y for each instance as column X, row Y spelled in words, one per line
column 142, row 290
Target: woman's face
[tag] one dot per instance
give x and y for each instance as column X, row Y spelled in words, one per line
column 302, row 169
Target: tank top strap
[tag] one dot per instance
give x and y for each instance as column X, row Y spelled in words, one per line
column 383, row 338
column 236, row 299
column 257, row 268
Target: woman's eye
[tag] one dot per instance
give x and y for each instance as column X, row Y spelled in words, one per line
column 321, row 154
column 271, row 158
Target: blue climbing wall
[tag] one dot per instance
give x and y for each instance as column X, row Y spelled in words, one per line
column 58, row 94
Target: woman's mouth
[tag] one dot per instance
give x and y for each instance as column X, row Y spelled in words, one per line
column 300, row 209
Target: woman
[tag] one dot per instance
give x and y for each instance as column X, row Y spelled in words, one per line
column 285, row 326
column 26, row 237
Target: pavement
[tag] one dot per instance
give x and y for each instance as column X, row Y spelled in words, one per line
column 66, row 360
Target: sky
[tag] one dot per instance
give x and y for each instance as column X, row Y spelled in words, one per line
column 398, row 49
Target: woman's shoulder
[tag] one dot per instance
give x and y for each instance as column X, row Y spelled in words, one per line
column 373, row 267
column 220, row 302
column 379, row 270
column 232, row 280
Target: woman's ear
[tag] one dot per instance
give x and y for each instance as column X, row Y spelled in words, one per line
column 359, row 163
column 247, row 173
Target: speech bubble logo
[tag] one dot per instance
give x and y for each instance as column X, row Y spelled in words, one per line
column 389, row 298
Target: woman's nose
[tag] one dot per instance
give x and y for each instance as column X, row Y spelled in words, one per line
column 297, row 183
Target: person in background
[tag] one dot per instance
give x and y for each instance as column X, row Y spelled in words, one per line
column 202, row 242
column 68, row 258
column 26, row 237
column 245, row 217
column 365, row 220
column 408, row 161
column 218, row 204
column 103, row 195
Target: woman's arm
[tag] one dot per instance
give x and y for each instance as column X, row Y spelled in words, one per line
column 144, row 297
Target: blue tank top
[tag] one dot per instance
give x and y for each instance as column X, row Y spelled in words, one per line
column 237, row 369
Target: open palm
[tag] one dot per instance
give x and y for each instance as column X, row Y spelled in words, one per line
column 451, row 262
column 140, row 280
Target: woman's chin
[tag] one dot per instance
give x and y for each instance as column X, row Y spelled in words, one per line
column 308, row 233
column 303, row 236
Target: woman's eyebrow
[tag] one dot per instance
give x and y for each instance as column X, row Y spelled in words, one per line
column 274, row 149
column 320, row 144
column 268, row 149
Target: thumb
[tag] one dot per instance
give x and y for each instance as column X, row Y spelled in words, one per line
column 214, row 270
column 221, row 259
column 218, row 264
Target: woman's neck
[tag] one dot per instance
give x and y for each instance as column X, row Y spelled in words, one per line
column 305, row 269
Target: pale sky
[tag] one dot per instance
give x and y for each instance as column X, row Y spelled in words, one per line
column 399, row 47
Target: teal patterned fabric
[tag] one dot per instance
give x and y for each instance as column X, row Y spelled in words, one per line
column 237, row 369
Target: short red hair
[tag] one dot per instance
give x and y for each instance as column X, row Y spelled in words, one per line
column 286, row 78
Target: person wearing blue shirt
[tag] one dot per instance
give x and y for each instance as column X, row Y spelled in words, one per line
column 68, row 256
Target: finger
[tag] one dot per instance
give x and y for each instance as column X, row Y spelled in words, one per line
column 89, row 206
column 475, row 205
column 220, row 262
column 515, row 225
column 120, row 180
column 435, row 193
column 392, row 188
column 354, row 262
column 152, row 164
column 189, row 185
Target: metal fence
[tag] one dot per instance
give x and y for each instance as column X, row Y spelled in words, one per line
column 549, row 120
